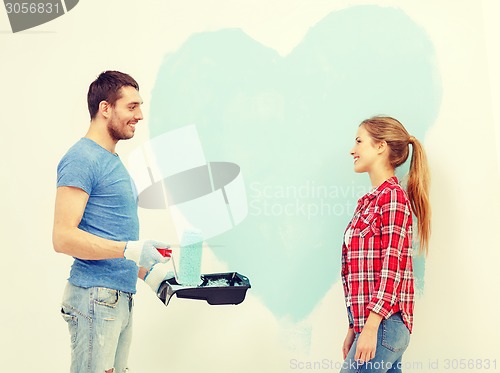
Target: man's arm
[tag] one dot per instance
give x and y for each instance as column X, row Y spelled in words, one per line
column 68, row 239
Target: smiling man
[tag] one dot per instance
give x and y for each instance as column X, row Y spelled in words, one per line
column 96, row 222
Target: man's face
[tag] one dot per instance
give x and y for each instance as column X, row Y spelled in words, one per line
column 125, row 114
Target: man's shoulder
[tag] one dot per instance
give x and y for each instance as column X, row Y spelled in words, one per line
column 83, row 147
column 81, row 155
column 83, row 151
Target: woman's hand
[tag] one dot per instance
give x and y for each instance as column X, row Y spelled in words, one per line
column 348, row 341
column 367, row 345
column 367, row 341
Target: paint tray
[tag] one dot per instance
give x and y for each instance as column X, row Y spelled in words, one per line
column 215, row 289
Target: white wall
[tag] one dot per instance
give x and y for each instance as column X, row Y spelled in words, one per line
column 44, row 75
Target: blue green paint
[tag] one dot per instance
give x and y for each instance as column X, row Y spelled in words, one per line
column 289, row 123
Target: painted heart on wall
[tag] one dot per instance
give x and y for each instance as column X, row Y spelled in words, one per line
column 289, row 123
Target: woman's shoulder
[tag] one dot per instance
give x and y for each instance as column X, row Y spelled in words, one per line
column 392, row 192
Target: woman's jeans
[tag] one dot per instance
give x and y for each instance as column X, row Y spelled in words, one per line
column 100, row 328
column 392, row 340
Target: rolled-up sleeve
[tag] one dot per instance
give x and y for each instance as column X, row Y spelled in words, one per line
column 395, row 214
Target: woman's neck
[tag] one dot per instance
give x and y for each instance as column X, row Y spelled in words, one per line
column 377, row 177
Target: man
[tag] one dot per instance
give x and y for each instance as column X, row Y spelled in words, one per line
column 96, row 222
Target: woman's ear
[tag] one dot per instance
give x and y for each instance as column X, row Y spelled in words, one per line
column 382, row 147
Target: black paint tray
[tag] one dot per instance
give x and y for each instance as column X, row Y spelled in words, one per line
column 216, row 288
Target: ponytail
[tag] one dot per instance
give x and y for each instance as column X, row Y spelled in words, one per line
column 397, row 138
column 418, row 193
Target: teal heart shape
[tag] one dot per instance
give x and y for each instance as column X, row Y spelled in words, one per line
column 289, row 123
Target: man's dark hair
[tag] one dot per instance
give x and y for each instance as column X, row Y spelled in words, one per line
column 107, row 88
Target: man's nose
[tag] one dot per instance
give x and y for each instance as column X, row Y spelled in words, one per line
column 139, row 115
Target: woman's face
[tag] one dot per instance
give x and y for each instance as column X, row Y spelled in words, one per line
column 365, row 151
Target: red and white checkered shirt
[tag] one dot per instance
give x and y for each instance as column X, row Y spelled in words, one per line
column 377, row 268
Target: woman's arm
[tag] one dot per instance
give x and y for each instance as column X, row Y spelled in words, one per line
column 395, row 215
column 367, row 341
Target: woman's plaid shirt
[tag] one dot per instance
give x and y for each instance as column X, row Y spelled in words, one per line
column 377, row 271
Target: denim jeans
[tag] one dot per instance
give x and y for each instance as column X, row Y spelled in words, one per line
column 100, row 328
column 393, row 338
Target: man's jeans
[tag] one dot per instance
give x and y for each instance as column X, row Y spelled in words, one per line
column 100, row 327
column 392, row 340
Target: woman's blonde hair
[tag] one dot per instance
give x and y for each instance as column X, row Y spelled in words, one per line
column 398, row 140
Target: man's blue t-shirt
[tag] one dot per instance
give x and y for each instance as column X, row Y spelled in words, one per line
column 111, row 212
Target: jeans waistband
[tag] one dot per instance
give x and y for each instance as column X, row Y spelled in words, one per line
column 124, row 293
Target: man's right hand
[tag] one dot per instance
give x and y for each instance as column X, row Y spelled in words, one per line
column 156, row 275
column 145, row 253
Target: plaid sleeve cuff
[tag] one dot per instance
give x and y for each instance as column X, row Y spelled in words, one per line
column 381, row 307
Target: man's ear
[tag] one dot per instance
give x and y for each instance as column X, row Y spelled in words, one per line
column 104, row 109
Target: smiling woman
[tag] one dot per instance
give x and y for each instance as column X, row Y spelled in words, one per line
column 391, row 133
column 377, row 260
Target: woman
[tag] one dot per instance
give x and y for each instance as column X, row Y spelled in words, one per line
column 377, row 272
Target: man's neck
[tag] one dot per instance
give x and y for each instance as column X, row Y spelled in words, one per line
column 97, row 132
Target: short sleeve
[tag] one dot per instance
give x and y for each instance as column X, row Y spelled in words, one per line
column 77, row 171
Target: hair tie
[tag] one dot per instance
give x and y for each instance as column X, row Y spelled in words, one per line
column 411, row 139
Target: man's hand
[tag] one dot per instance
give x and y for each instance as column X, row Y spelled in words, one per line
column 156, row 275
column 145, row 253
column 142, row 273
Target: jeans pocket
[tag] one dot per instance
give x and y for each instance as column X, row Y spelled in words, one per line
column 395, row 335
column 107, row 297
column 72, row 321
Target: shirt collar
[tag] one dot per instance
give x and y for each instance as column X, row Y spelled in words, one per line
column 376, row 191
